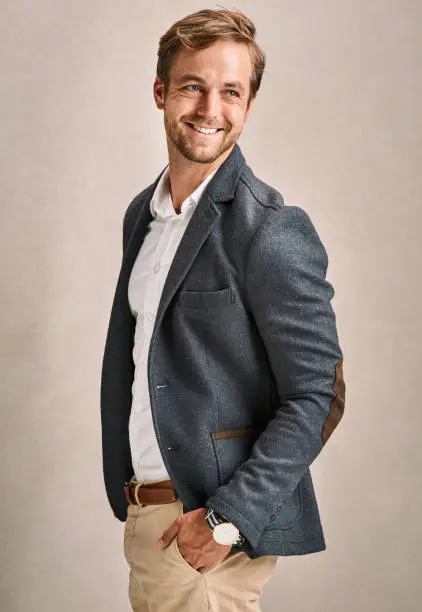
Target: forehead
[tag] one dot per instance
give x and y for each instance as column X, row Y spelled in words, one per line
column 223, row 60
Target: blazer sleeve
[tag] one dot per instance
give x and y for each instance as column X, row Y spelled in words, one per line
column 289, row 299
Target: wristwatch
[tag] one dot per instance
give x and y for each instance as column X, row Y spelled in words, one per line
column 223, row 531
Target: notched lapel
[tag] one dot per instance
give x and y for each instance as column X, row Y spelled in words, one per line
column 135, row 242
column 220, row 189
column 197, row 231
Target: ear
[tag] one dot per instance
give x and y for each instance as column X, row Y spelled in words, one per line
column 249, row 107
column 158, row 91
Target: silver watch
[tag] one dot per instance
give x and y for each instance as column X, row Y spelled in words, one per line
column 223, row 531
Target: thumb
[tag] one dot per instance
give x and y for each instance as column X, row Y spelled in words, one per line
column 169, row 534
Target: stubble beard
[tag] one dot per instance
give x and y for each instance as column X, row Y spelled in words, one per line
column 178, row 134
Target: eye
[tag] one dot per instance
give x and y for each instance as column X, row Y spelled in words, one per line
column 236, row 94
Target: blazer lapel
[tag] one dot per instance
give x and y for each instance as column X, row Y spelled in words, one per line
column 139, row 231
column 220, row 189
column 200, row 225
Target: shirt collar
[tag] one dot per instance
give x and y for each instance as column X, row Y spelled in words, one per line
column 161, row 204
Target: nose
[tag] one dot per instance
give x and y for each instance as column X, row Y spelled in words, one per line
column 209, row 105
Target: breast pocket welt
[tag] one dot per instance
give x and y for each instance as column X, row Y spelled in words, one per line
column 200, row 300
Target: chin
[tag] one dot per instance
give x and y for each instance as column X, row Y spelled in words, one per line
column 204, row 158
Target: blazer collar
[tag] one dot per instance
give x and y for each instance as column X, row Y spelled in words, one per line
column 223, row 185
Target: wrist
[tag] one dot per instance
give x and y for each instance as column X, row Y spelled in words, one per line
column 223, row 530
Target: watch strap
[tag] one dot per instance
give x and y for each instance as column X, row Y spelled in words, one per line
column 214, row 518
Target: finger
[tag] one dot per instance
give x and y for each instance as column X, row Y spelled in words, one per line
column 169, row 534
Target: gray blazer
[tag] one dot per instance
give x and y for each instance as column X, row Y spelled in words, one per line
column 244, row 367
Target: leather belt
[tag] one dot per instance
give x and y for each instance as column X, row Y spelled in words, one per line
column 161, row 492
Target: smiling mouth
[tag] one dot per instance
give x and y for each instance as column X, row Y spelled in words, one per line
column 202, row 133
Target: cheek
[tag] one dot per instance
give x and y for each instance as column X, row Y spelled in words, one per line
column 234, row 118
column 180, row 108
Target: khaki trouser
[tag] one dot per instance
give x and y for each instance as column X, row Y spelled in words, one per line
column 162, row 581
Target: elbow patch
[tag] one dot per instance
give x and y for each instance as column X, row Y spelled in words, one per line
column 337, row 405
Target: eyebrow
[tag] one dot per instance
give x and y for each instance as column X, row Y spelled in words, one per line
column 196, row 77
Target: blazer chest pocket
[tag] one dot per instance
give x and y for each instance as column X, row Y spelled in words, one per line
column 207, row 299
column 232, row 447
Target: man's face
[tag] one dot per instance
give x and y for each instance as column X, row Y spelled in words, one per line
column 208, row 88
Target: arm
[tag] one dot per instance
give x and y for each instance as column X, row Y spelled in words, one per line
column 289, row 299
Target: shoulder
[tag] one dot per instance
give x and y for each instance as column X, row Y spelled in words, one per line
column 261, row 194
column 275, row 220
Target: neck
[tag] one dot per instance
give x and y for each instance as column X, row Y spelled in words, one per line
column 185, row 176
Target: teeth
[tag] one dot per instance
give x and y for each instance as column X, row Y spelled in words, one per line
column 203, row 130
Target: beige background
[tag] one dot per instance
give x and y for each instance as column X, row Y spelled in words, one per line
column 337, row 129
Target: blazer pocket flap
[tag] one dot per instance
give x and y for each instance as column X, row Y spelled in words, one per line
column 207, row 299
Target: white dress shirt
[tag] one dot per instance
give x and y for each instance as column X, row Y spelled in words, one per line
column 144, row 292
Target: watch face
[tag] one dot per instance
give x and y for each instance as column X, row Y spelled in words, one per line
column 225, row 533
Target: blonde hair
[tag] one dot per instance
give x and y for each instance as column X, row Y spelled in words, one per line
column 200, row 30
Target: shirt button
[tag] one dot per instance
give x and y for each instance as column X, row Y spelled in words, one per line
column 150, row 317
column 157, row 268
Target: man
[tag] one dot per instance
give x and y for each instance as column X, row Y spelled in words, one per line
column 222, row 373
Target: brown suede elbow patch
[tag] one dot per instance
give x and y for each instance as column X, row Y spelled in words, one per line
column 337, row 405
